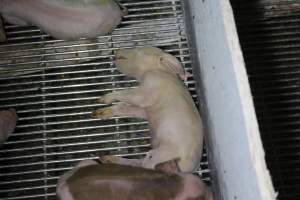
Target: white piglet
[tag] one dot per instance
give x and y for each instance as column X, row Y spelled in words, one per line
column 163, row 99
column 64, row 19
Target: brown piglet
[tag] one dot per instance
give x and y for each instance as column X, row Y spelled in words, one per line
column 90, row 180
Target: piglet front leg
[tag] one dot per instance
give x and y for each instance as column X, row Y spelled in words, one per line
column 134, row 97
column 134, row 105
column 111, row 159
column 122, row 109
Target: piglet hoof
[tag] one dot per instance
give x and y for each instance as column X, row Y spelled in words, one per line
column 101, row 100
column 105, row 99
column 108, row 159
column 103, row 113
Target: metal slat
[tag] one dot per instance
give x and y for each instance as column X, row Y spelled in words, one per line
column 56, row 95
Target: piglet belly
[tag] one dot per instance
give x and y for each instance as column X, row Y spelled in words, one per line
column 66, row 20
column 182, row 133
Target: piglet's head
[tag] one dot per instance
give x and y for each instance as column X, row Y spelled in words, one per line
column 135, row 62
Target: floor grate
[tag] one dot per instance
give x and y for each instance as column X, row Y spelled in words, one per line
column 55, row 93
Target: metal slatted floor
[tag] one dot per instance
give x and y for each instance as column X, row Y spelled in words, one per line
column 55, row 92
column 269, row 32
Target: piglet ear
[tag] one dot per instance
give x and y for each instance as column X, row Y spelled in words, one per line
column 173, row 64
column 169, row 167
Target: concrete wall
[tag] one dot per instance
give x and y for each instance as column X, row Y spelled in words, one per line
column 236, row 153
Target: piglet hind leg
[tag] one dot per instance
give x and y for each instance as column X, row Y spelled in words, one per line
column 84, row 163
column 157, row 156
column 121, row 161
column 122, row 109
